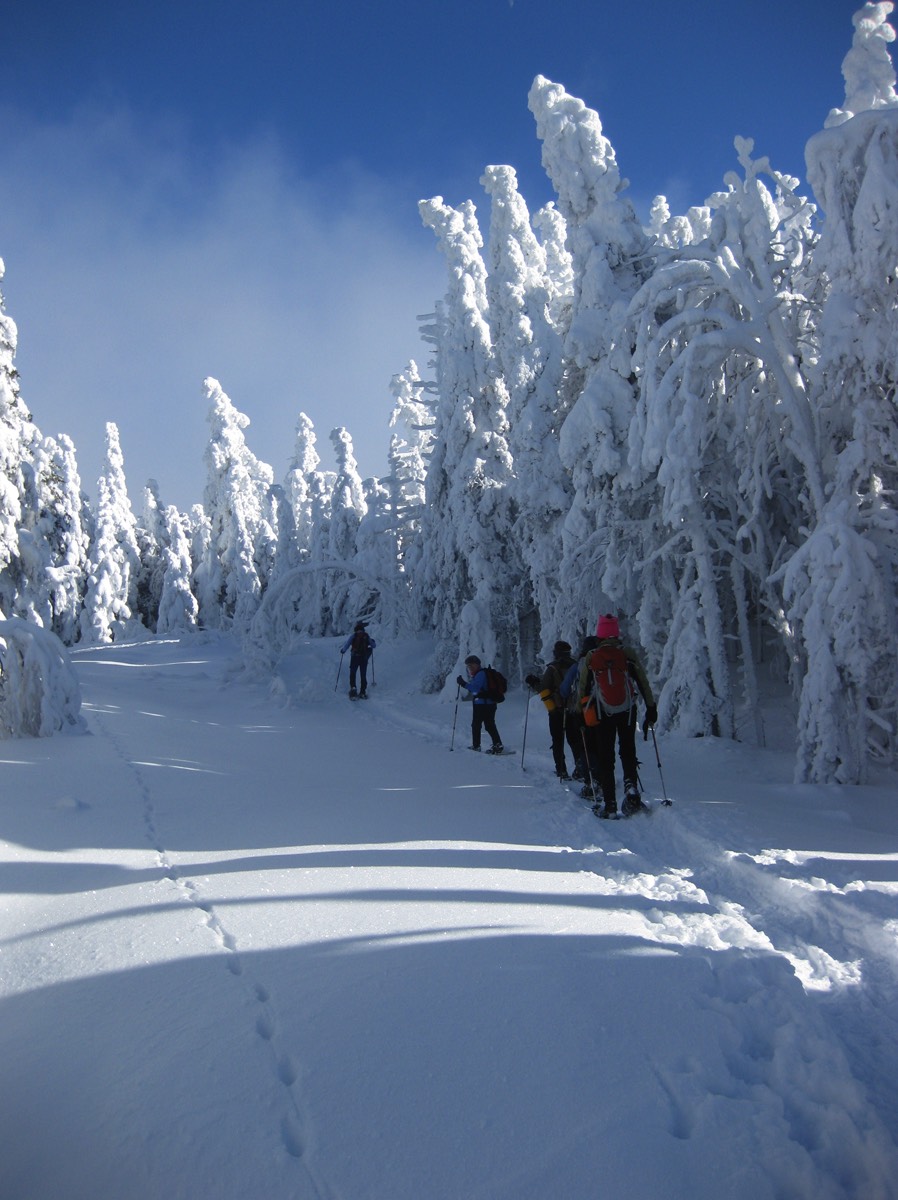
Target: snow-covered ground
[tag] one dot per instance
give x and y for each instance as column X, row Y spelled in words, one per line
column 273, row 944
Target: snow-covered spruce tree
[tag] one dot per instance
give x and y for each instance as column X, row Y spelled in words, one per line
column 298, row 483
column 177, row 610
column 611, row 257
column 408, row 457
column 469, row 554
column 348, row 507
column 312, row 599
column 235, row 501
column 110, row 598
column 841, row 585
column 528, row 350
column 18, row 440
column 53, row 540
column 151, row 534
column 722, row 468
column 204, row 574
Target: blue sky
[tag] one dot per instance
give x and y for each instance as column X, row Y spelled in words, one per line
column 194, row 188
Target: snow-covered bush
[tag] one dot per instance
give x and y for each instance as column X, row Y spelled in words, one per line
column 39, row 691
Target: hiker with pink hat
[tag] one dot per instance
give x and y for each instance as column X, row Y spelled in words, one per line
column 616, row 676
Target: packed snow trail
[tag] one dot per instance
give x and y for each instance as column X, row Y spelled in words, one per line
column 273, row 944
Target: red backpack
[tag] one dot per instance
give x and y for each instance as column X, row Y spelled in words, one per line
column 613, row 684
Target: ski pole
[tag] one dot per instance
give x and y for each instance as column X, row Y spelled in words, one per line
column 373, row 680
column 339, row 669
column 455, row 716
column 592, row 786
column 660, row 772
column 526, row 716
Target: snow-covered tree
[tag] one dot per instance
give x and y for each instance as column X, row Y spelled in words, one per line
column 151, row 534
column 469, row 551
column 299, row 482
column 110, row 599
column 347, row 509
column 178, row 609
column 235, row 503
column 39, row 691
column 409, row 454
column 18, row 438
column 842, row 583
column 529, row 354
column 53, row 540
column 611, row 257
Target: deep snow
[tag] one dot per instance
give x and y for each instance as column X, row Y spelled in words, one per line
column 267, row 943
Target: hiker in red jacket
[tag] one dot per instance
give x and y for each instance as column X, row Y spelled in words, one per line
column 617, row 675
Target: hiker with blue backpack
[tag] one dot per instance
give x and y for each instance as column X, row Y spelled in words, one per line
column 361, row 646
column 614, row 677
column 481, row 684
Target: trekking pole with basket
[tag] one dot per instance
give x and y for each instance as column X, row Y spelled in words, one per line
column 645, row 736
column 455, row 716
column 339, row 669
column 526, row 717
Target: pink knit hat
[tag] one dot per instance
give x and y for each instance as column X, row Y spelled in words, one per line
column 607, row 627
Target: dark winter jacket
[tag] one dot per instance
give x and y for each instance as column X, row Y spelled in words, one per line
column 552, row 679
column 366, row 653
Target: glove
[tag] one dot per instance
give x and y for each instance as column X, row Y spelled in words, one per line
column 531, row 681
column 651, row 716
column 460, row 681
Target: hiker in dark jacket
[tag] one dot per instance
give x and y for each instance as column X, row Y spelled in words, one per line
column 548, row 685
column 620, row 726
column 483, row 715
column 580, row 737
column 361, row 647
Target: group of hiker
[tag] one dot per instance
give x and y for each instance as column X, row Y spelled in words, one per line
column 591, row 701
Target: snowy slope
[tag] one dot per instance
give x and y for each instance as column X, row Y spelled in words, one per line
column 268, row 943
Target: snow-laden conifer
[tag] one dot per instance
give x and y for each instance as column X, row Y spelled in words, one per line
column 410, row 450
column 841, row 584
column 611, row 256
column 151, row 534
column 528, row 349
column 235, row 501
column 18, row 439
column 469, row 552
column 178, row 610
column 60, row 538
column 298, row 483
column 347, row 508
column 110, row 599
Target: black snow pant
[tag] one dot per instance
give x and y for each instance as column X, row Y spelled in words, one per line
column 484, row 717
column 620, row 728
column 358, row 662
column 556, row 732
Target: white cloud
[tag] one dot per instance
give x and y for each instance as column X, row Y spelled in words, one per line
column 136, row 265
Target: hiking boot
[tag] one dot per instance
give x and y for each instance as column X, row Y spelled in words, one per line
column 352, row 693
column 587, row 792
column 563, row 776
column 474, row 748
column 498, row 748
column 632, row 803
column 363, row 695
column 609, row 810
